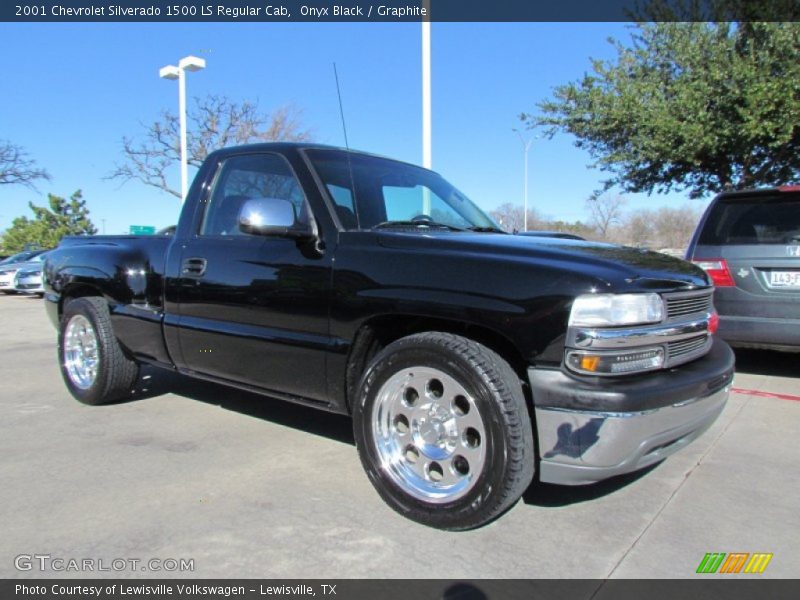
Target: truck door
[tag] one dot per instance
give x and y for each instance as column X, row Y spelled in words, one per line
column 253, row 309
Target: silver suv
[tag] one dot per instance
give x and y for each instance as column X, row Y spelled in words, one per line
column 749, row 243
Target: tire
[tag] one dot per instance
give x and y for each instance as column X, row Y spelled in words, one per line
column 443, row 432
column 92, row 363
column 9, row 292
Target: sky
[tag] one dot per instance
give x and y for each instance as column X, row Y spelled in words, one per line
column 70, row 92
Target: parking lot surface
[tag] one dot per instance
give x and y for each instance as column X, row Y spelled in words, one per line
column 247, row 486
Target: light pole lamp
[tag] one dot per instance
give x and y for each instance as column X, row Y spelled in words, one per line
column 188, row 63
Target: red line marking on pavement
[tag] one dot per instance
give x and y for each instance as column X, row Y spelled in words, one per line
column 765, row 394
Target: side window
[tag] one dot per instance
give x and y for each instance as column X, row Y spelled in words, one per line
column 343, row 204
column 250, row 176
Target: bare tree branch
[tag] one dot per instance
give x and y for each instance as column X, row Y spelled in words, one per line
column 213, row 122
column 511, row 217
column 17, row 168
column 605, row 212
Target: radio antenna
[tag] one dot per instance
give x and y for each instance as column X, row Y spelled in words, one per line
column 347, row 145
column 341, row 107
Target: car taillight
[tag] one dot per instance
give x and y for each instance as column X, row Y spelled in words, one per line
column 717, row 269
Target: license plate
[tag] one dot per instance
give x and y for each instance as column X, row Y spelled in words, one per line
column 785, row 279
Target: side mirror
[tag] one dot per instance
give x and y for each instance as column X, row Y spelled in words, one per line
column 272, row 216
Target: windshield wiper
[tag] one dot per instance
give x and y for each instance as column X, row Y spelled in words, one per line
column 415, row 224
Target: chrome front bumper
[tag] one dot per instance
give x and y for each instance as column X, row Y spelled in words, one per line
column 582, row 446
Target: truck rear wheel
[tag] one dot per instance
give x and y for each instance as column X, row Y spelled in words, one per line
column 443, row 431
column 92, row 363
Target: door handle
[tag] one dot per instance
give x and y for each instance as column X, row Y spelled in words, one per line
column 194, row 267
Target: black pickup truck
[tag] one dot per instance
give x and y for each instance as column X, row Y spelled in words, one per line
column 469, row 359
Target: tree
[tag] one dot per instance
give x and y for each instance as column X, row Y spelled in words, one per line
column 214, row 122
column 17, row 168
column 49, row 225
column 697, row 106
column 511, row 217
column 666, row 227
column 605, row 212
column 673, row 227
column 577, row 227
column 638, row 229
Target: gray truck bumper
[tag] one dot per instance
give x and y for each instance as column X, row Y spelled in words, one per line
column 591, row 429
column 581, row 447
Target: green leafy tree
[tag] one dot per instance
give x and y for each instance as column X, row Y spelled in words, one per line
column 48, row 225
column 697, row 106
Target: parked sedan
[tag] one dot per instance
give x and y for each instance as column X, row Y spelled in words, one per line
column 28, row 280
column 749, row 243
column 8, row 271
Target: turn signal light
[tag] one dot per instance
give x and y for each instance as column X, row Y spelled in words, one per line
column 615, row 363
column 717, row 269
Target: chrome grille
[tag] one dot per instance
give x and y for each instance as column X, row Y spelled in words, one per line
column 680, row 305
column 686, row 346
column 681, row 351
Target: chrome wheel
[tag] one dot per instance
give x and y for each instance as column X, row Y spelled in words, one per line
column 80, row 352
column 430, row 437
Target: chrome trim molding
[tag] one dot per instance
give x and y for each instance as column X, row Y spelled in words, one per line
column 632, row 337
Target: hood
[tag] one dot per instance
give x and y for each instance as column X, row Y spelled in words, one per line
column 620, row 267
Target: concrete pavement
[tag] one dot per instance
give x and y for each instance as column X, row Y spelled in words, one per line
column 251, row 487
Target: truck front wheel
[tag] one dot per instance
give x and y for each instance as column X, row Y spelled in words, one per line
column 92, row 363
column 443, row 431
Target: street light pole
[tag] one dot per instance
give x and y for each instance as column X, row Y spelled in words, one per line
column 426, row 106
column 188, row 63
column 426, row 95
column 526, row 145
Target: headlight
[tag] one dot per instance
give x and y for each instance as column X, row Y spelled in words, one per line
column 608, row 310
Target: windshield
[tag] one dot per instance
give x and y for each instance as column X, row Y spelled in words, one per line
column 21, row 256
column 388, row 192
